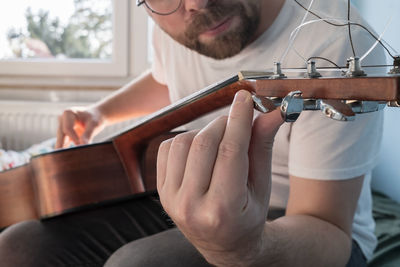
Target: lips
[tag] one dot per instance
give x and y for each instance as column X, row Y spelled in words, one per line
column 218, row 28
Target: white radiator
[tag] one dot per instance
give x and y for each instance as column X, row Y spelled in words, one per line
column 24, row 123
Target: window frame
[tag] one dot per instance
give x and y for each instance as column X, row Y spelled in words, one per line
column 128, row 59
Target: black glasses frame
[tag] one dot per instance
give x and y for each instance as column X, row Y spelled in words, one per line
column 141, row 2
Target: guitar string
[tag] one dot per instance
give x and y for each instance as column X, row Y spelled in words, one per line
column 328, row 60
column 355, row 24
column 348, row 22
column 293, row 37
column 349, row 25
column 323, row 58
column 380, row 37
column 295, row 31
column 336, row 67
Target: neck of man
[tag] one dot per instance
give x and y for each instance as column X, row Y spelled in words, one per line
column 270, row 10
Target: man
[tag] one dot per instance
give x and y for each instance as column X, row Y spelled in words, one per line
column 215, row 183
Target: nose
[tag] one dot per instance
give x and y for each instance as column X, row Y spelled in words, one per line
column 195, row 5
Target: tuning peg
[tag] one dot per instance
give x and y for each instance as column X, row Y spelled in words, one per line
column 355, row 69
column 337, row 110
column 278, row 74
column 263, row 104
column 312, row 70
column 396, row 66
column 292, row 106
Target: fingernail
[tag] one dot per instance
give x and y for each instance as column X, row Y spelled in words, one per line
column 241, row 96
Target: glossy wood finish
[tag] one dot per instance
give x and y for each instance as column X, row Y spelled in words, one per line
column 364, row 88
column 17, row 197
column 64, row 180
column 76, row 177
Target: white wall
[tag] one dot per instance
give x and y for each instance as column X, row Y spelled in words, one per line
column 377, row 13
column 387, row 173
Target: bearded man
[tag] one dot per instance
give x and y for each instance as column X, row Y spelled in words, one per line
column 218, row 184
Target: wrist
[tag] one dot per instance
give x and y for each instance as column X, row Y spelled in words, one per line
column 245, row 254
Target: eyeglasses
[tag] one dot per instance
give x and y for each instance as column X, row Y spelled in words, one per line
column 161, row 7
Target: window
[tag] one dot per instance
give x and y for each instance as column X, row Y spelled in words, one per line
column 74, row 38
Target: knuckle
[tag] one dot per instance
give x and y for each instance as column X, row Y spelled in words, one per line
column 183, row 215
column 229, row 149
column 67, row 113
column 203, row 142
column 213, row 218
column 164, row 145
column 182, row 140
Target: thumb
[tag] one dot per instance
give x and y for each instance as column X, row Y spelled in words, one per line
column 264, row 130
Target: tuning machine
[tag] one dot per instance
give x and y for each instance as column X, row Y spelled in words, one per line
column 337, row 110
column 340, row 110
column 278, row 74
column 263, row 104
column 292, row 106
column 360, row 107
column 312, row 72
column 355, row 69
column 396, row 66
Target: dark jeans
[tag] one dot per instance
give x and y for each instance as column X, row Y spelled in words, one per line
column 106, row 237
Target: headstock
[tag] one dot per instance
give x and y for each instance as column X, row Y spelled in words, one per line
column 339, row 98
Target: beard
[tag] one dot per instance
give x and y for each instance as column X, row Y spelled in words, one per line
column 229, row 43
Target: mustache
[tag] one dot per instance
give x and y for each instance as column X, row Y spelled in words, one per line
column 212, row 14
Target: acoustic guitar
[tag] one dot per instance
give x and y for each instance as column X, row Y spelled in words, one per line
column 70, row 179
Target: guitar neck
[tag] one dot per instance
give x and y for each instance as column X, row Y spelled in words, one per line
column 221, row 94
column 184, row 111
column 361, row 88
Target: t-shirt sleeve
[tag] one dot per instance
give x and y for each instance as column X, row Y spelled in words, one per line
column 158, row 66
column 324, row 149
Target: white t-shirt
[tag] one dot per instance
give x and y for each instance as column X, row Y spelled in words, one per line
column 314, row 147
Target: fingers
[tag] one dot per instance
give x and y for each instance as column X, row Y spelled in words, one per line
column 176, row 163
column 90, row 127
column 231, row 167
column 78, row 125
column 66, row 128
column 187, row 161
column 162, row 163
column 202, row 156
column 224, row 158
column 60, row 137
column 260, row 153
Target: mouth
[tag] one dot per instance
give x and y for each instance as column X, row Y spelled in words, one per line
column 219, row 28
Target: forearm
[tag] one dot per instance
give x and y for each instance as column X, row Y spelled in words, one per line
column 140, row 97
column 293, row 241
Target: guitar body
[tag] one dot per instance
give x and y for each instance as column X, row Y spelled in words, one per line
column 65, row 180
column 59, row 182
column 17, row 197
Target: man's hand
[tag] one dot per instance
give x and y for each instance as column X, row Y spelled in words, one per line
column 215, row 183
column 78, row 125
